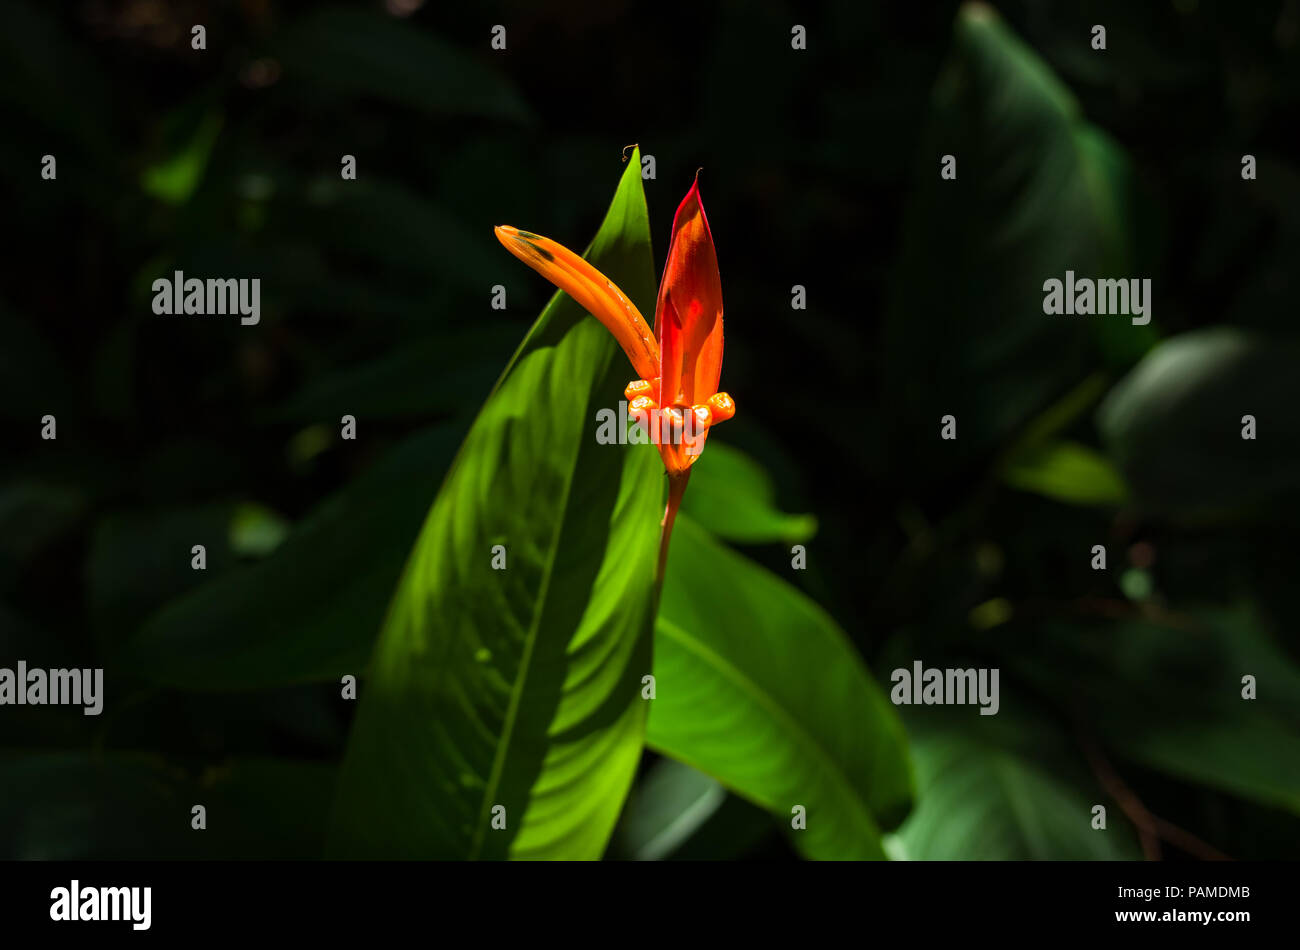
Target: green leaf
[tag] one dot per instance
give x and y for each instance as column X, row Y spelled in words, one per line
column 732, row 496
column 758, row 687
column 174, row 179
column 395, row 230
column 1125, row 213
column 672, row 803
column 678, row 813
column 736, row 830
column 256, row 531
column 1174, row 424
column 1249, row 753
column 423, row 378
column 1034, row 196
column 520, row 687
column 1168, row 695
column 74, row 805
column 354, row 52
column 980, row 802
column 33, row 379
column 33, row 515
column 141, row 560
column 56, row 86
column 1066, row 471
column 311, row 610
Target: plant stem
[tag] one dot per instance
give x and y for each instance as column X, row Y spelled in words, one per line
column 676, row 489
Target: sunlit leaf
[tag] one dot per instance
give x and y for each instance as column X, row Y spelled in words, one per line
column 758, row 687
column 512, row 694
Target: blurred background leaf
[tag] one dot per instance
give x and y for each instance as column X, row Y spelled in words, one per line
column 976, row 343
column 352, row 52
column 671, row 804
column 988, row 802
column 175, row 179
column 309, row 611
column 1193, row 392
column 733, row 498
column 1164, row 690
column 1068, row 472
column 74, row 806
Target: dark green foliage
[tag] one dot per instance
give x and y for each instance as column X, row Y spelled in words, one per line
column 821, row 168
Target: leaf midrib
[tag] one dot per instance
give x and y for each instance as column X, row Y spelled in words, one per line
column 525, row 663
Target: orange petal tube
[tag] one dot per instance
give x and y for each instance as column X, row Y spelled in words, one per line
column 593, row 291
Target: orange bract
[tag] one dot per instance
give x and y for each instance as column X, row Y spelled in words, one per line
column 688, row 325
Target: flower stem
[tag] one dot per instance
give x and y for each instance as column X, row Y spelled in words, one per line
column 676, row 489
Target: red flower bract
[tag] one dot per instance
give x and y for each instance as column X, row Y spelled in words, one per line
column 688, row 327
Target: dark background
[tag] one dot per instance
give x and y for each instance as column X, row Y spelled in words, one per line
column 819, row 169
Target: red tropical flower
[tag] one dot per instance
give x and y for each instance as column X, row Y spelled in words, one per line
column 680, row 364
